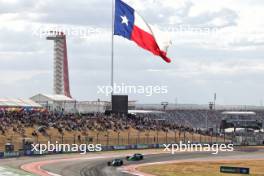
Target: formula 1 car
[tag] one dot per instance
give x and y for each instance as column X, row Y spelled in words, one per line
column 135, row 157
column 115, row 163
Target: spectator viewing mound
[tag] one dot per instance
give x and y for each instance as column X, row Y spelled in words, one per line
column 18, row 127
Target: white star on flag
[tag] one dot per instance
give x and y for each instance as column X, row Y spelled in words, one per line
column 124, row 20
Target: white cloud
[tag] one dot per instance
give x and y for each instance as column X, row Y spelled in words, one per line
column 223, row 60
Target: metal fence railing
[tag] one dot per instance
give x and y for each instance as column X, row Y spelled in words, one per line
column 116, row 138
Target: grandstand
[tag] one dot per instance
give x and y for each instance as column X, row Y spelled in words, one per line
column 55, row 102
column 139, row 127
column 200, row 107
column 69, row 105
column 146, row 128
column 247, row 120
column 18, row 103
column 246, row 127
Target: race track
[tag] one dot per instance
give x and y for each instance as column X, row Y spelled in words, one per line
column 96, row 164
column 98, row 167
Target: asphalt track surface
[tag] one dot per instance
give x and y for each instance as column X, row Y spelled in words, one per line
column 98, row 167
column 96, row 164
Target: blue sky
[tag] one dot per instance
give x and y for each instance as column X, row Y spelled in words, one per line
column 217, row 47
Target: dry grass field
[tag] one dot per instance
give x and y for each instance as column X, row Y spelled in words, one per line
column 203, row 168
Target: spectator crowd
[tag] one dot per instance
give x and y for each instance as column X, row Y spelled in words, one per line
column 183, row 120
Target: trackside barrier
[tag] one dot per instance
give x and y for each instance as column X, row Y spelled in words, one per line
column 104, row 148
column 4, row 155
column 142, row 146
column 27, row 152
column 234, row 170
column 121, row 147
column 11, row 154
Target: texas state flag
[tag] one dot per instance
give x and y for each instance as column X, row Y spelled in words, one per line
column 129, row 24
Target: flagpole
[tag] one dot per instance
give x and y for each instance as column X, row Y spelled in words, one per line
column 112, row 46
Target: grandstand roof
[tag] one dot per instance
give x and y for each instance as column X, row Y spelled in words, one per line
column 60, row 98
column 238, row 113
column 200, row 107
column 10, row 102
column 143, row 111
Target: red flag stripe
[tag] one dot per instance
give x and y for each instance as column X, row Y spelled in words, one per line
column 147, row 41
